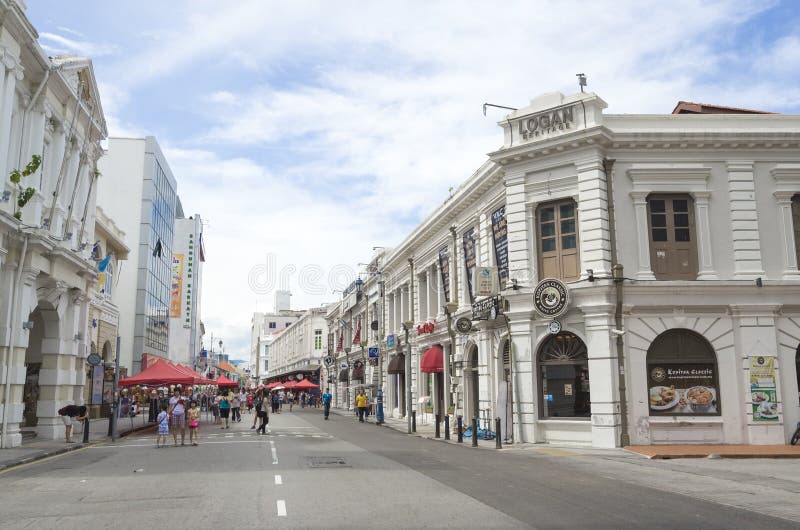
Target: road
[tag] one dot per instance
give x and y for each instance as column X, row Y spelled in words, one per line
column 311, row 473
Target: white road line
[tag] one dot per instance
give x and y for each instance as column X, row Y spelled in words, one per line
column 228, row 436
column 281, row 508
column 278, row 480
column 274, row 453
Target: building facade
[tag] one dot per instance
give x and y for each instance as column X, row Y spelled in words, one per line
column 673, row 240
column 299, row 348
column 51, row 125
column 141, row 193
column 188, row 257
column 264, row 328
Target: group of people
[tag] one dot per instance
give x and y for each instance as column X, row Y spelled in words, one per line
column 175, row 416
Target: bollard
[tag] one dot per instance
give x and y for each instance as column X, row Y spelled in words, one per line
column 447, row 426
column 460, row 427
column 438, row 428
column 413, row 421
column 86, row 430
column 498, row 444
column 474, row 432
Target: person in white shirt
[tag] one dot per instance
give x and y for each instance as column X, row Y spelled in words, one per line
column 177, row 414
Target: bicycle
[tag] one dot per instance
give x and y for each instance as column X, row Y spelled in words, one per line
column 796, row 436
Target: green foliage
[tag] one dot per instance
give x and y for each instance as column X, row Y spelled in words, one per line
column 16, row 176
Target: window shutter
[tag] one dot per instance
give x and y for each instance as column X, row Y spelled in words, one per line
column 557, row 234
column 673, row 250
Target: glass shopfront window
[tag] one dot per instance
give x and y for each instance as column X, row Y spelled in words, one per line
column 564, row 377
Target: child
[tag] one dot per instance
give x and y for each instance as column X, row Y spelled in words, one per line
column 194, row 422
column 163, row 427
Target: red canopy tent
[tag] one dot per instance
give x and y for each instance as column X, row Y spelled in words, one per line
column 432, row 360
column 305, row 384
column 223, row 381
column 198, row 379
column 159, row 373
column 290, row 384
column 274, row 384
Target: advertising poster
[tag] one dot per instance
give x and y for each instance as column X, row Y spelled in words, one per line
column 444, row 266
column 469, row 260
column 176, row 287
column 500, row 235
column 97, row 384
column 764, row 393
column 683, row 389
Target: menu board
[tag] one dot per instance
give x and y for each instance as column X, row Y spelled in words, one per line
column 444, row 266
column 500, row 235
column 763, row 391
column 683, row 389
column 469, row 260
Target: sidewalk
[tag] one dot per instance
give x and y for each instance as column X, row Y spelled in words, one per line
column 723, row 451
column 36, row 449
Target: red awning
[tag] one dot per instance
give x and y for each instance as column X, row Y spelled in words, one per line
column 159, row 373
column 433, row 360
column 224, row 381
column 305, row 384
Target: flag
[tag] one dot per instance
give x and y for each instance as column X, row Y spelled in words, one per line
column 157, row 249
column 357, row 336
column 103, row 265
column 340, row 345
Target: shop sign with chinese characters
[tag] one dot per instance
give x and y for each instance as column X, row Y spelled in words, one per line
column 763, row 391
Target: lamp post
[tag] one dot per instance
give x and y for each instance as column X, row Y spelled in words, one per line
column 379, row 413
column 449, row 309
column 407, row 325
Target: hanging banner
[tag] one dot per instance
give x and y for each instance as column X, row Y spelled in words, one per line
column 763, row 389
column 500, row 235
column 469, row 260
column 97, row 384
column 176, row 287
column 444, row 267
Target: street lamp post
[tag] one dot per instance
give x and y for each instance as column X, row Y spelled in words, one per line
column 406, row 328
column 379, row 414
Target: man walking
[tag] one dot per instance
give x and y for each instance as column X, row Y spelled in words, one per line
column 326, row 401
column 362, row 402
column 236, row 404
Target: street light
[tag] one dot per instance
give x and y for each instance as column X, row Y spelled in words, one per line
column 449, row 309
column 407, row 325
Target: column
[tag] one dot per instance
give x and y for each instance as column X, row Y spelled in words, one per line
column 744, row 221
column 32, row 214
column 440, row 300
column 422, row 283
column 12, row 73
column 703, row 233
column 644, row 270
column 603, row 376
column 593, row 227
column 786, row 232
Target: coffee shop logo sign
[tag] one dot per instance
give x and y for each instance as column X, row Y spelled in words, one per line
column 546, row 123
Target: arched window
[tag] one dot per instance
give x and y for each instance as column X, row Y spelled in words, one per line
column 564, row 377
column 682, row 375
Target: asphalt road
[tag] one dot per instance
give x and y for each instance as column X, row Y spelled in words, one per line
column 310, row 473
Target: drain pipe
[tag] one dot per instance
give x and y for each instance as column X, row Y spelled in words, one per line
column 619, row 278
column 11, row 341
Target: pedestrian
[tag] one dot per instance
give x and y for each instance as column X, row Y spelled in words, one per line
column 326, row 401
column 236, row 404
column 215, row 409
column 290, row 399
column 70, row 413
column 152, row 408
column 250, row 404
column 224, row 410
column 194, row 423
column 275, row 400
column 258, row 400
column 263, row 416
column 362, row 402
column 177, row 413
column 281, row 400
column 163, row 427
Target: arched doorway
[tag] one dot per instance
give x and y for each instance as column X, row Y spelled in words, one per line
column 42, row 340
column 682, row 375
column 108, row 356
column 472, row 383
column 564, row 377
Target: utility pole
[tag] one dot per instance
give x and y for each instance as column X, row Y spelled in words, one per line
column 379, row 415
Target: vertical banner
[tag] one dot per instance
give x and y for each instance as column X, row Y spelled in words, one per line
column 444, row 266
column 500, row 235
column 469, row 260
column 763, row 388
column 98, row 372
column 177, row 286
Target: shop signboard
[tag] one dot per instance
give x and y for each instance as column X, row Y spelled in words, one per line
column 390, row 341
column 176, row 287
column 487, row 308
column 500, row 236
column 469, row 260
column 486, row 282
column 97, row 384
column 444, row 268
column 683, row 389
column 764, row 393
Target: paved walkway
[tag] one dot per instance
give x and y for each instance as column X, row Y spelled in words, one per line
column 724, row 451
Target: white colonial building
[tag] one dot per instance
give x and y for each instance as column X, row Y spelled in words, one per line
column 674, row 240
column 50, row 109
column 264, row 328
column 299, row 348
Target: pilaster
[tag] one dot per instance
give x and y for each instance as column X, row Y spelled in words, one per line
column 593, row 227
column 744, row 221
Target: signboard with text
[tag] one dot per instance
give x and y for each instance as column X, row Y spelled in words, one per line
column 444, row 266
column 500, row 236
column 469, row 260
column 763, row 389
column 683, row 389
column 176, row 287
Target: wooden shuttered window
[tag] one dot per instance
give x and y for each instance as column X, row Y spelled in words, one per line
column 557, row 230
column 673, row 246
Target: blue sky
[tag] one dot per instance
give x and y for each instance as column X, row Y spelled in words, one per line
column 313, row 131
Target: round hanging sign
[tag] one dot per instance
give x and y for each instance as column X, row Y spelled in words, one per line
column 463, row 325
column 550, row 298
column 554, row 327
column 94, row 359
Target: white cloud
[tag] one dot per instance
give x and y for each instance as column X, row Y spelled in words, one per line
column 58, row 44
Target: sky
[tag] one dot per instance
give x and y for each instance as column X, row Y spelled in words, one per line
column 307, row 133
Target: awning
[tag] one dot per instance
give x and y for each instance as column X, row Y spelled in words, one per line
column 433, row 360
column 358, row 374
column 343, row 376
column 397, row 364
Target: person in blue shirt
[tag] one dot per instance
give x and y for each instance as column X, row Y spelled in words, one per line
column 326, row 402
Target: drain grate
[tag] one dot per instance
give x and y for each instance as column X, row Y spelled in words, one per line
column 319, row 462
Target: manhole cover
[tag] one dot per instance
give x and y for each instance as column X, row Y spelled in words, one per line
column 326, row 461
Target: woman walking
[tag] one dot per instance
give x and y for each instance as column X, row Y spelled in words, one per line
column 194, row 423
column 215, row 408
column 224, row 410
column 262, row 414
column 177, row 411
column 163, row 427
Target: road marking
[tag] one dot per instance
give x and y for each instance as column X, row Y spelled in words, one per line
column 45, row 459
column 222, row 442
column 278, row 480
column 274, row 452
column 228, row 436
column 281, row 508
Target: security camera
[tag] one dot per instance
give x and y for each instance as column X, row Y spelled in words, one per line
column 618, row 331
